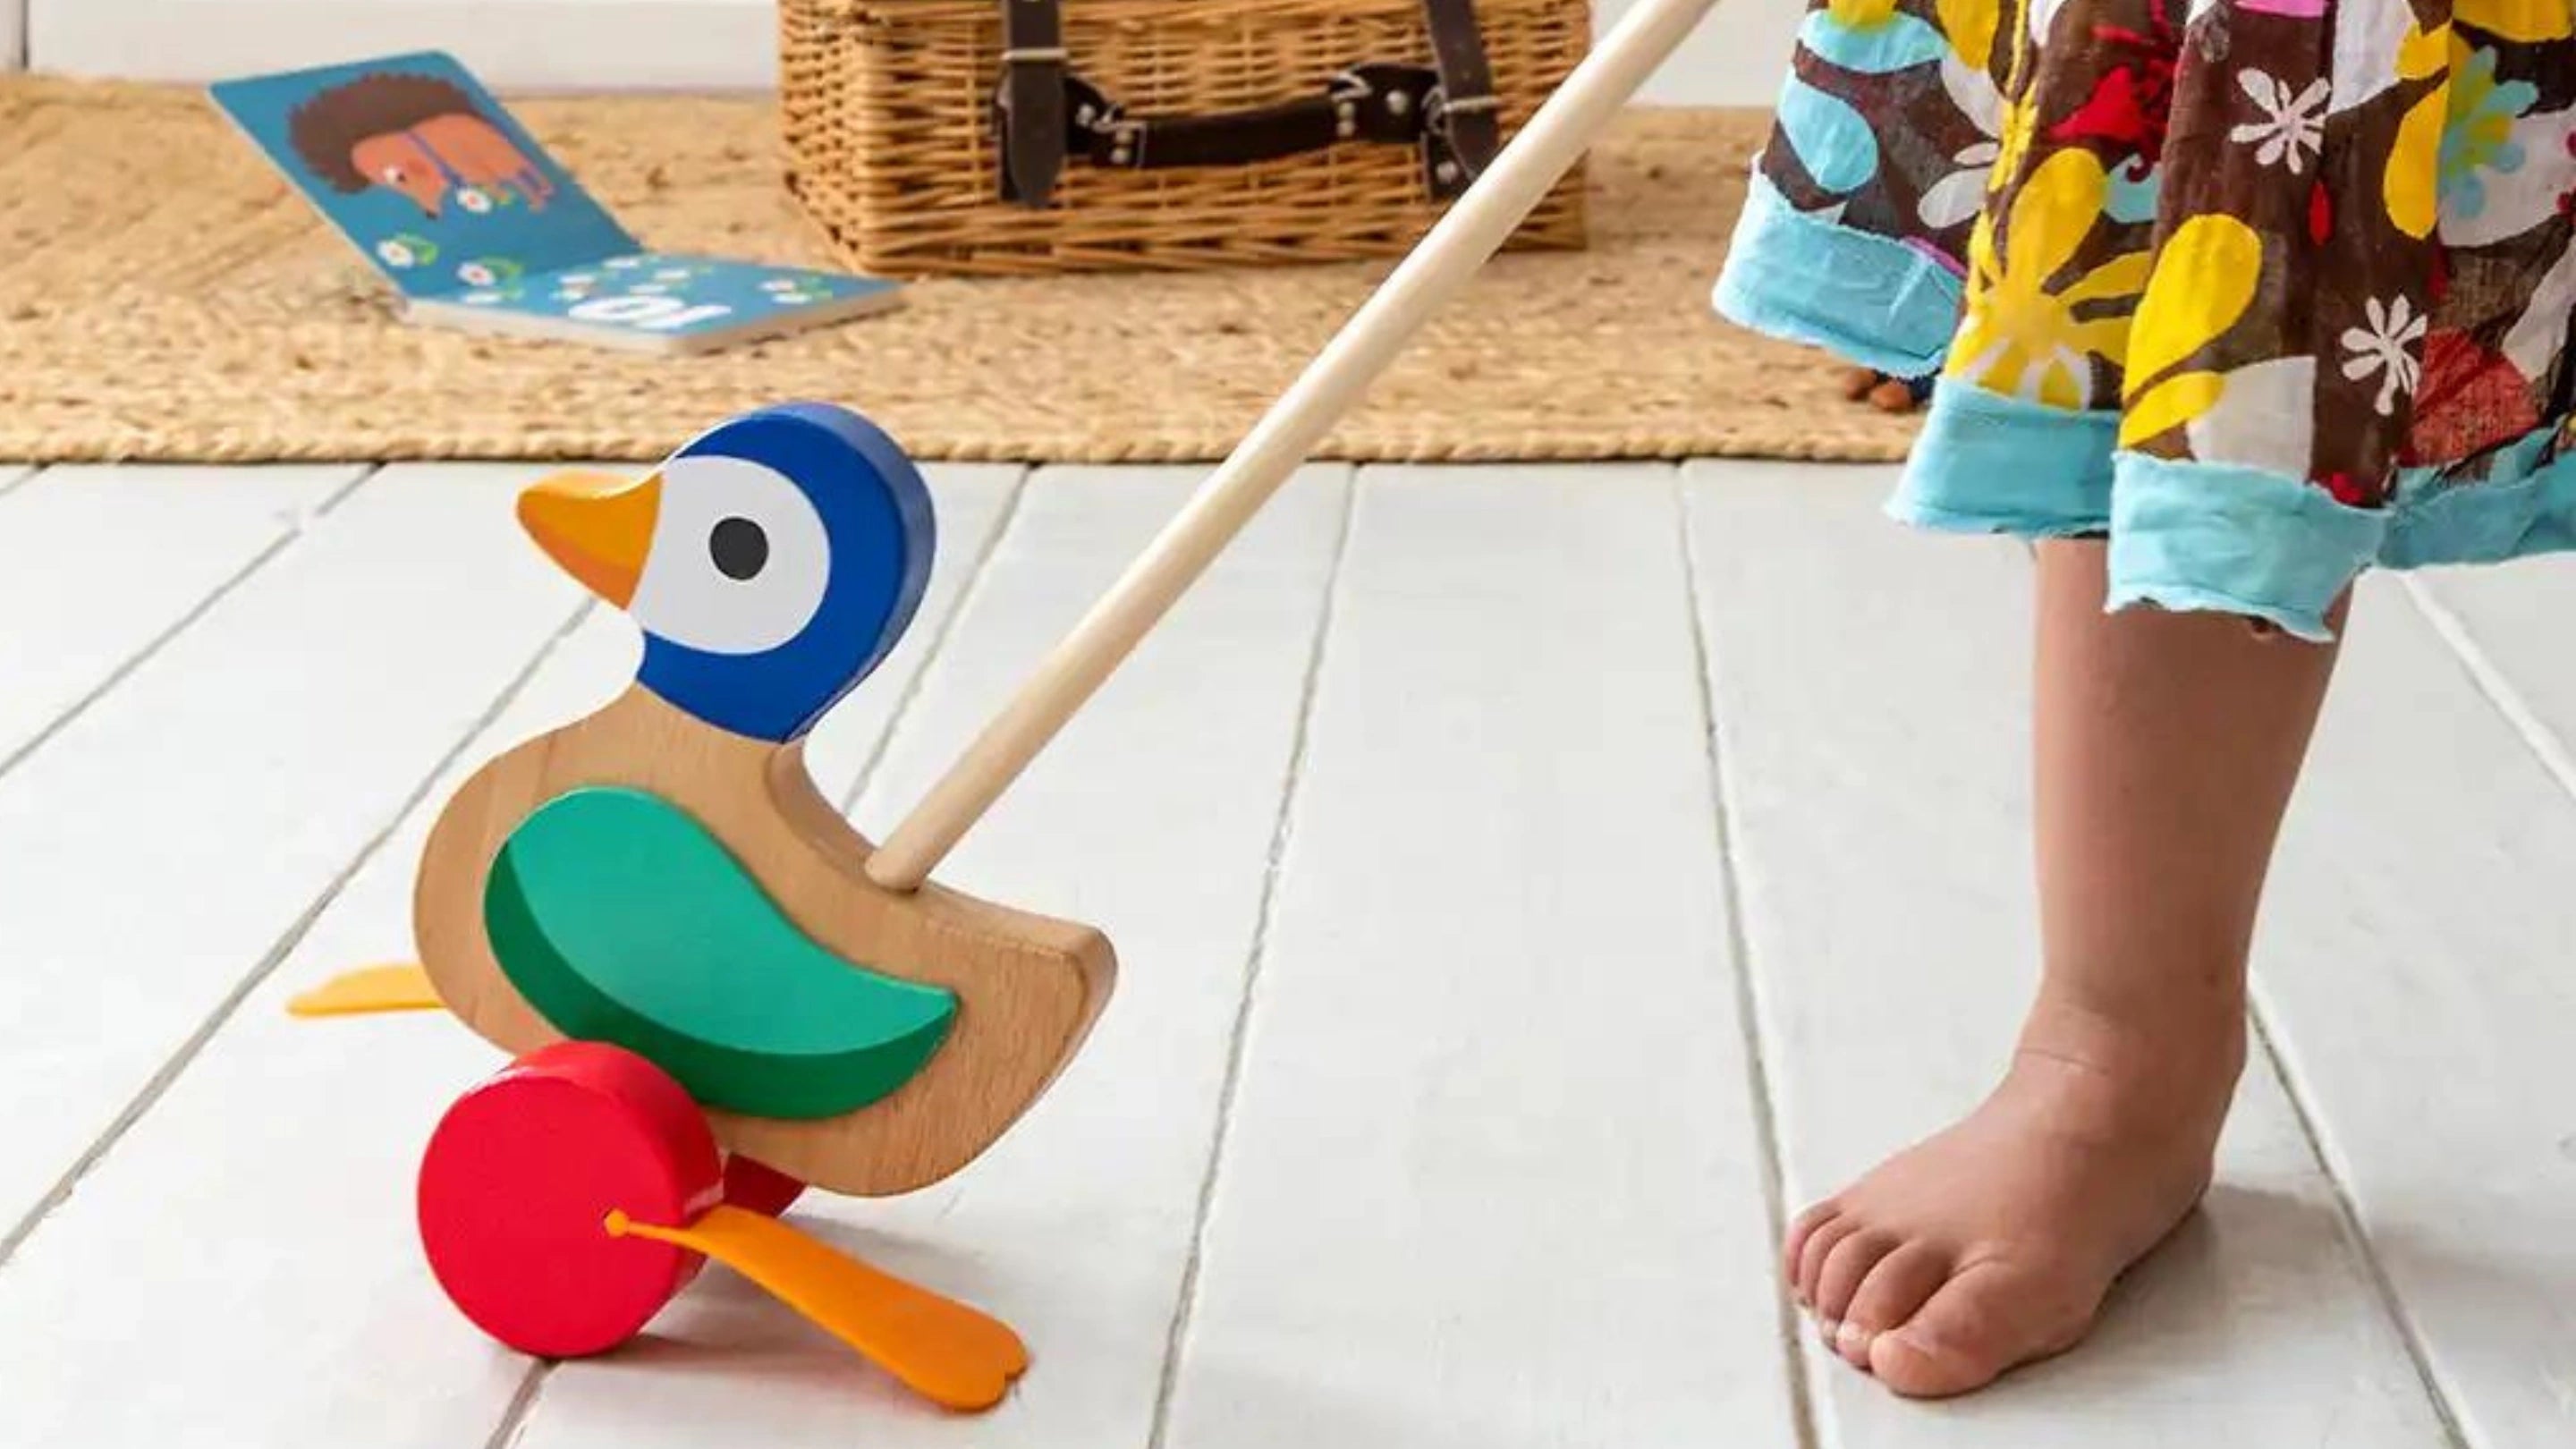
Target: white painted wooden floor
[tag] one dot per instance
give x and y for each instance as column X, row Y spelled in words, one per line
column 1527, row 881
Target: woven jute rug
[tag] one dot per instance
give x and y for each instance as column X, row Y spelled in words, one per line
column 163, row 296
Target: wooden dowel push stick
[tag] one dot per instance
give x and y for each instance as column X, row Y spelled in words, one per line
column 1564, row 128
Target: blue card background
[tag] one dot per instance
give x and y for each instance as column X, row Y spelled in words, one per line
column 496, row 233
column 667, row 294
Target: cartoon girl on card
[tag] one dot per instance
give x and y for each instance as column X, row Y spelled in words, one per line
column 416, row 135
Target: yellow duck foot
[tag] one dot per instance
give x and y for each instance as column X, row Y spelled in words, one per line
column 369, row 989
column 953, row 1355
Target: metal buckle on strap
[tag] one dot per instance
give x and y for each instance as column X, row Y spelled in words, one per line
column 1445, row 165
column 1106, row 118
column 1349, row 91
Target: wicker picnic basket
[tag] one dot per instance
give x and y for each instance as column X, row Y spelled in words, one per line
column 936, row 137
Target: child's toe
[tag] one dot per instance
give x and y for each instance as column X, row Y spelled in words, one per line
column 1794, row 1245
column 1895, row 395
column 1891, row 1294
column 1846, row 1266
column 1984, row 1320
column 1812, row 1254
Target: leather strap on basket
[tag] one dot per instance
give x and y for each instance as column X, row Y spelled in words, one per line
column 1031, row 114
column 1045, row 112
column 1467, row 109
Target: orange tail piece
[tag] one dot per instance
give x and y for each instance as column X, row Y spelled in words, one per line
column 375, row 988
column 947, row 1352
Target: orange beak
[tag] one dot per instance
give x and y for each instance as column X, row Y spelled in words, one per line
column 596, row 526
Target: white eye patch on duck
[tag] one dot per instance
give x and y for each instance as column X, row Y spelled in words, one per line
column 739, row 561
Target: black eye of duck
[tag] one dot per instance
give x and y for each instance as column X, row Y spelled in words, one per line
column 739, row 548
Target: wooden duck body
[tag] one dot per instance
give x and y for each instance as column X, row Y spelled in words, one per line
column 1028, row 987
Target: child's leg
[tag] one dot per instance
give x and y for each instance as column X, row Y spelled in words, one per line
column 2167, row 746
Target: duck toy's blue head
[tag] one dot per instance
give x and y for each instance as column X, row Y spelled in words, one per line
column 771, row 563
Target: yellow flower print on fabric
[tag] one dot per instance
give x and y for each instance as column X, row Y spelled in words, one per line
column 2204, row 280
column 1870, row 37
column 2020, row 127
column 2423, row 52
column 2522, row 20
column 2412, row 179
column 2019, row 337
column 1970, row 26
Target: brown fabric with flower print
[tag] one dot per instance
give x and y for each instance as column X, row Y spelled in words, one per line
column 2328, row 240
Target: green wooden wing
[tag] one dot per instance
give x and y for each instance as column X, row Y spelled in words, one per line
column 621, row 919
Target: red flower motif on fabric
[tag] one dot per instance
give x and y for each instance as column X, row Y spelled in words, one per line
column 2470, row 399
column 2132, row 103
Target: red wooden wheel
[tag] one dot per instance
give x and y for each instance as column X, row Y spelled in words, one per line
column 518, row 1181
column 757, row 1187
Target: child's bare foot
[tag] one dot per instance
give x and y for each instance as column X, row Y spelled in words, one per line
column 1992, row 1243
column 1896, row 395
column 1885, row 393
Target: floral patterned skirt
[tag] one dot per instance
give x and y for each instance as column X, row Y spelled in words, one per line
column 2266, row 292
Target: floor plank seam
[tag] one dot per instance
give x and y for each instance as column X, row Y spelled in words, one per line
column 152, row 647
column 977, row 571
column 523, row 1400
column 1748, row 991
column 1283, row 829
column 2492, row 682
column 2355, row 1232
column 188, row 1050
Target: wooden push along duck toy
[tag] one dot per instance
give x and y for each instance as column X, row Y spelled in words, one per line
column 656, row 906
column 719, row 991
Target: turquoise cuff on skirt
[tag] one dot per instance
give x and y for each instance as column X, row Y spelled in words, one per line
column 1802, row 278
column 2182, row 534
column 2216, row 536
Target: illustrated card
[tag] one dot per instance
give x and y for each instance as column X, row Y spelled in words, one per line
column 413, row 161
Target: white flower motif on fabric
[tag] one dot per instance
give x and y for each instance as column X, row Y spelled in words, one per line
column 2293, row 127
column 2381, row 348
column 2265, row 418
column 1958, row 196
column 2367, row 34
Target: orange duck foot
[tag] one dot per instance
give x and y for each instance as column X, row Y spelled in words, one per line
column 953, row 1355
